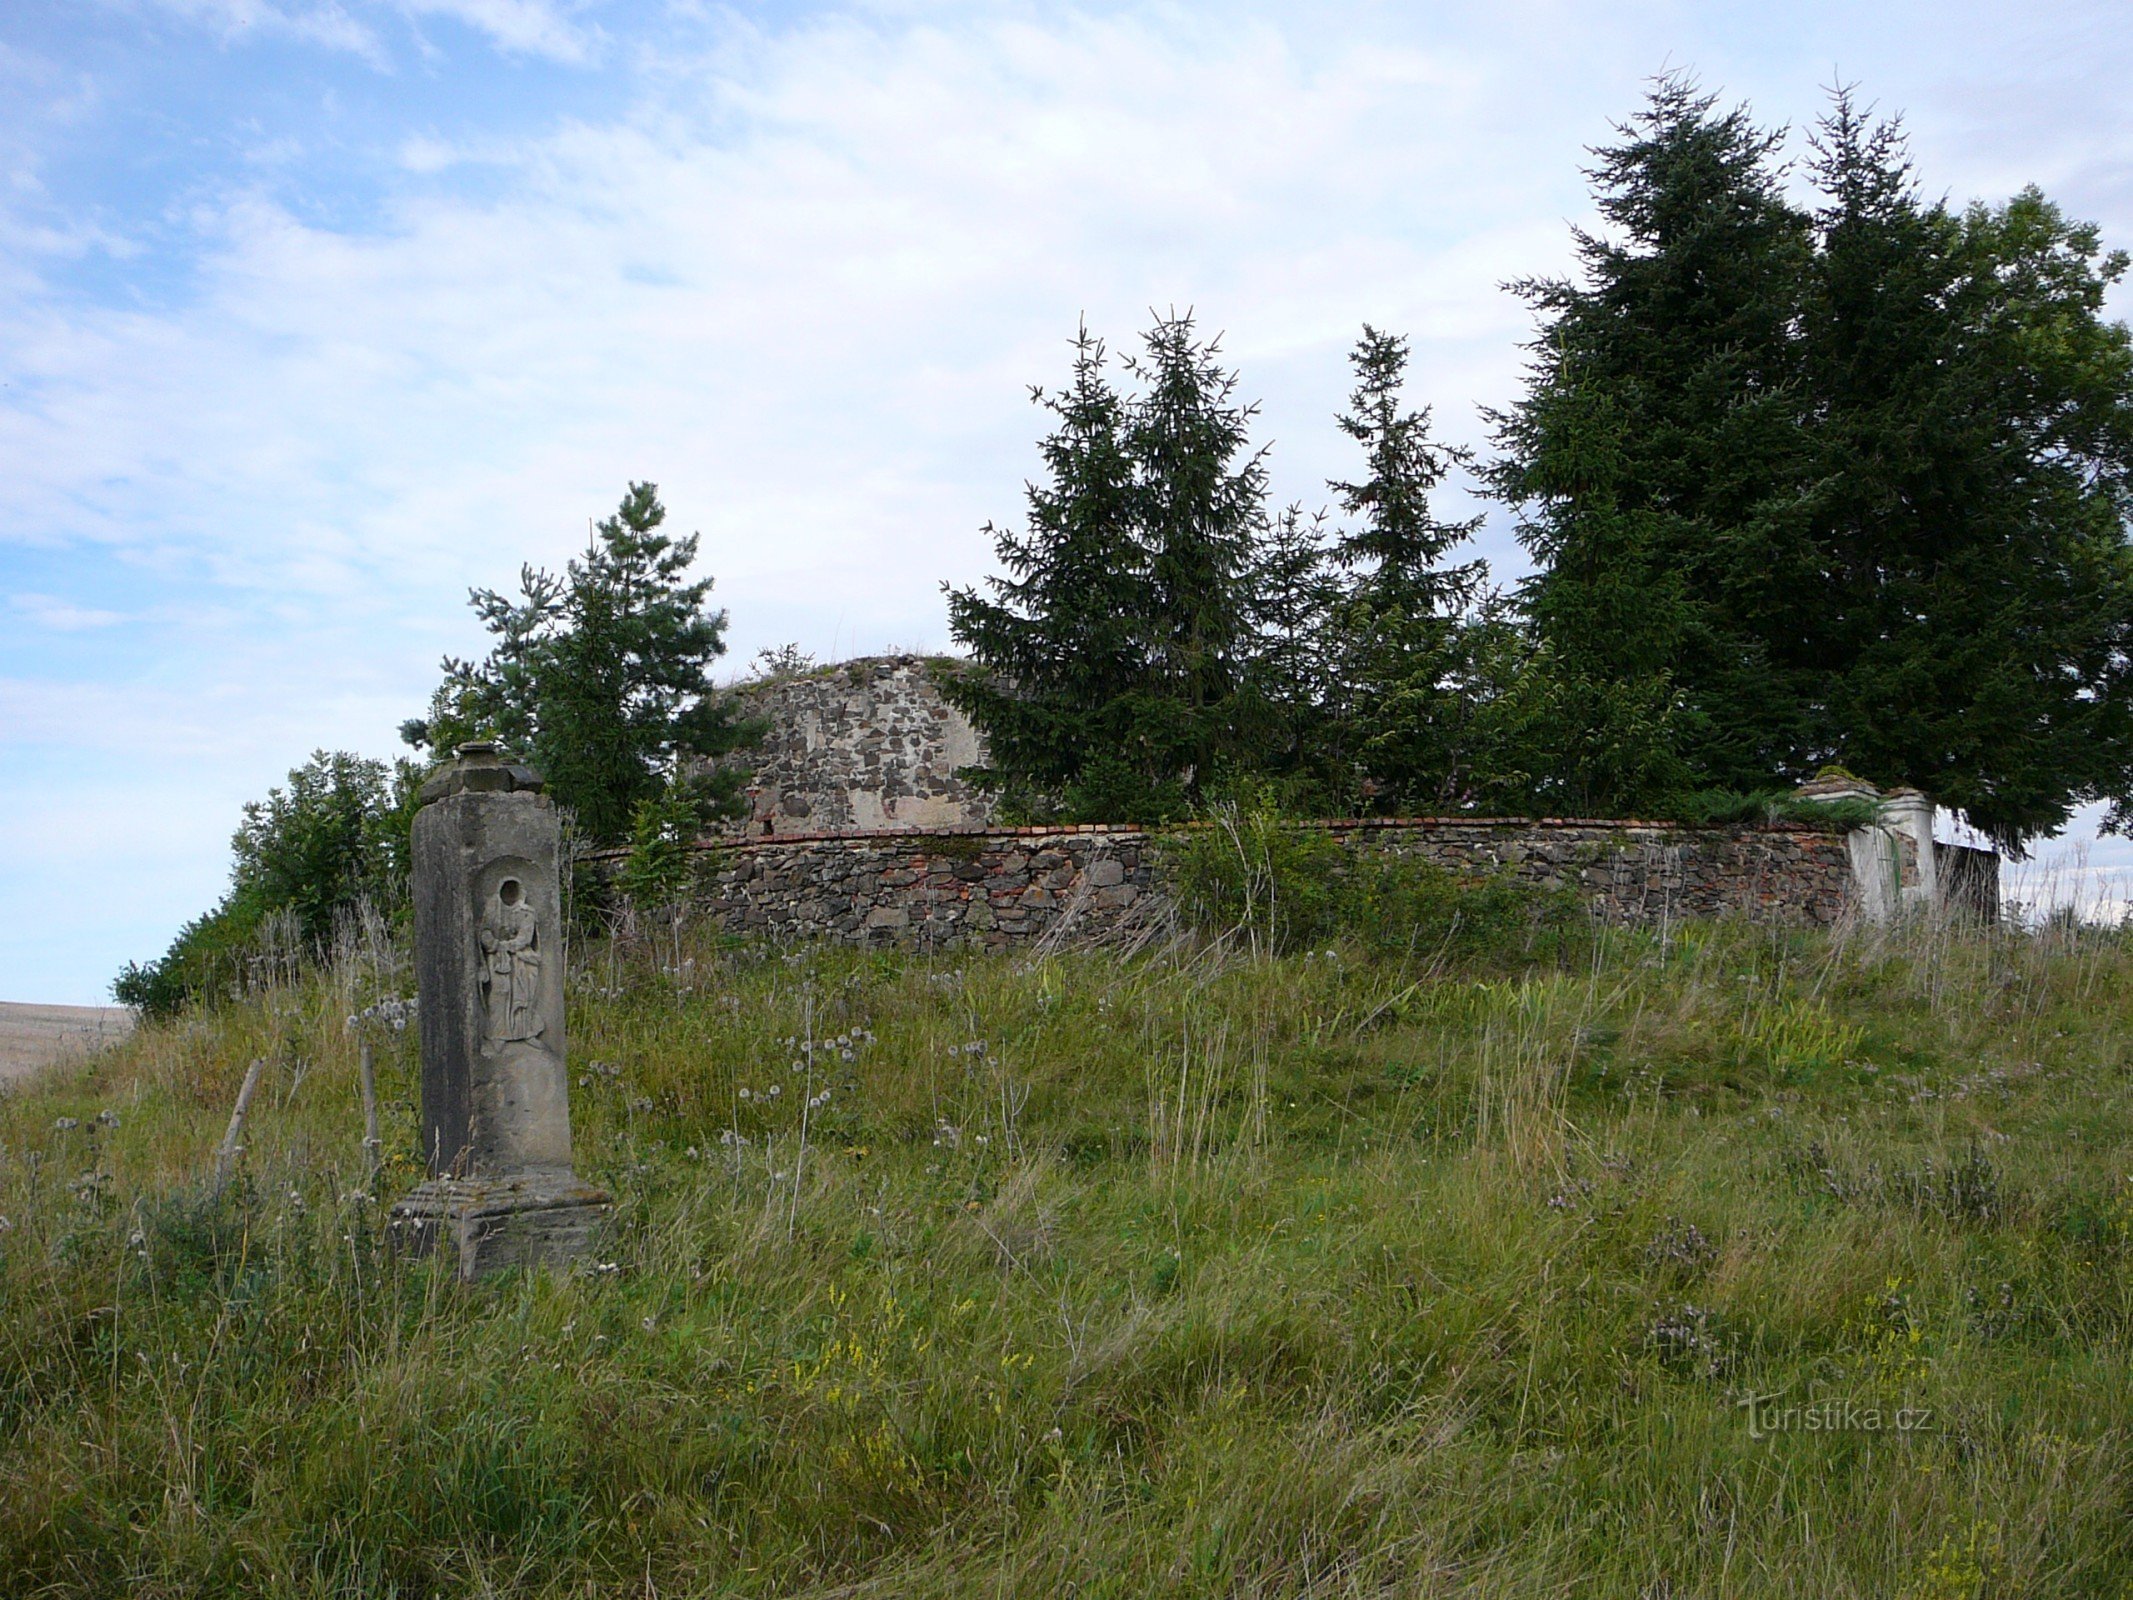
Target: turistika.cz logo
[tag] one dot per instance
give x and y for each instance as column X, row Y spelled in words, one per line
column 1769, row 1414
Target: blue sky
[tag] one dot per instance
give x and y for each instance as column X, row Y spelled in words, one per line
column 314, row 314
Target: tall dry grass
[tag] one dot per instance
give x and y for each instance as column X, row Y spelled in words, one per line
column 1194, row 1273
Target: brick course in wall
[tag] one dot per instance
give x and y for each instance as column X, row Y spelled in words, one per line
column 1016, row 886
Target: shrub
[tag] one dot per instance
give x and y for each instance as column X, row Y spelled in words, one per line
column 1284, row 887
column 1709, row 808
column 306, row 857
column 205, row 961
column 1254, row 872
column 661, row 862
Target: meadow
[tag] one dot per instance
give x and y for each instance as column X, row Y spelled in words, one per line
column 1706, row 1260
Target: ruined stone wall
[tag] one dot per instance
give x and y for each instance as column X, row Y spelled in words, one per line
column 868, row 744
column 1001, row 887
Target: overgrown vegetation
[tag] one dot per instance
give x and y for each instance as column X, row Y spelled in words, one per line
column 600, row 676
column 1490, row 1272
column 1255, row 878
column 1837, row 480
column 306, row 861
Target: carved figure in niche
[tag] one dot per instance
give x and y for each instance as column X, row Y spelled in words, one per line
column 510, row 969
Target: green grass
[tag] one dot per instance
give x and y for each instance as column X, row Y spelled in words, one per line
column 1184, row 1275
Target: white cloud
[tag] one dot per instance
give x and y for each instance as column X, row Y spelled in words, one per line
column 521, row 27
column 805, row 320
column 515, row 27
column 61, row 616
column 320, row 22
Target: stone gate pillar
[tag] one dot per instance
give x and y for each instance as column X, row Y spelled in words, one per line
column 489, row 969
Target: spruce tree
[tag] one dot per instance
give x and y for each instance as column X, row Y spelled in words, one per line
column 1294, row 673
column 1845, row 486
column 1401, row 684
column 1587, row 720
column 1672, row 354
column 1200, row 499
column 1061, row 637
column 1119, row 652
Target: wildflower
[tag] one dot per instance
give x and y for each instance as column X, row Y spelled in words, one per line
column 746, row 1095
column 67, row 1124
column 108, row 1119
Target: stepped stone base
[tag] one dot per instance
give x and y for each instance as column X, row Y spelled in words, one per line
column 492, row 1223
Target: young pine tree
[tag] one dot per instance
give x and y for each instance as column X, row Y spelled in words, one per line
column 599, row 675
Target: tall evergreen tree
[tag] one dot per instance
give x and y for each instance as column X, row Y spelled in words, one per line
column 1973, row 453
column 1120, row 651
column 1200, row 498
column 599, row 674
column 1845, row 486
column 1673, row 355
column 1588, row 719
column 1061, row 638
column 1401, row 686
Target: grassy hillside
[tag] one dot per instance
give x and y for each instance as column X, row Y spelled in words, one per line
column 1176, row 1276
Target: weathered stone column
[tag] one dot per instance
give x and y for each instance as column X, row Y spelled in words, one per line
column 489, row 969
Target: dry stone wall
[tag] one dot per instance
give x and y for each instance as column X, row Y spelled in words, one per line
column 1013, row 886
column 859, row 828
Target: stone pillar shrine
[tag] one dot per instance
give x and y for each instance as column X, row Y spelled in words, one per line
column 489, row 970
